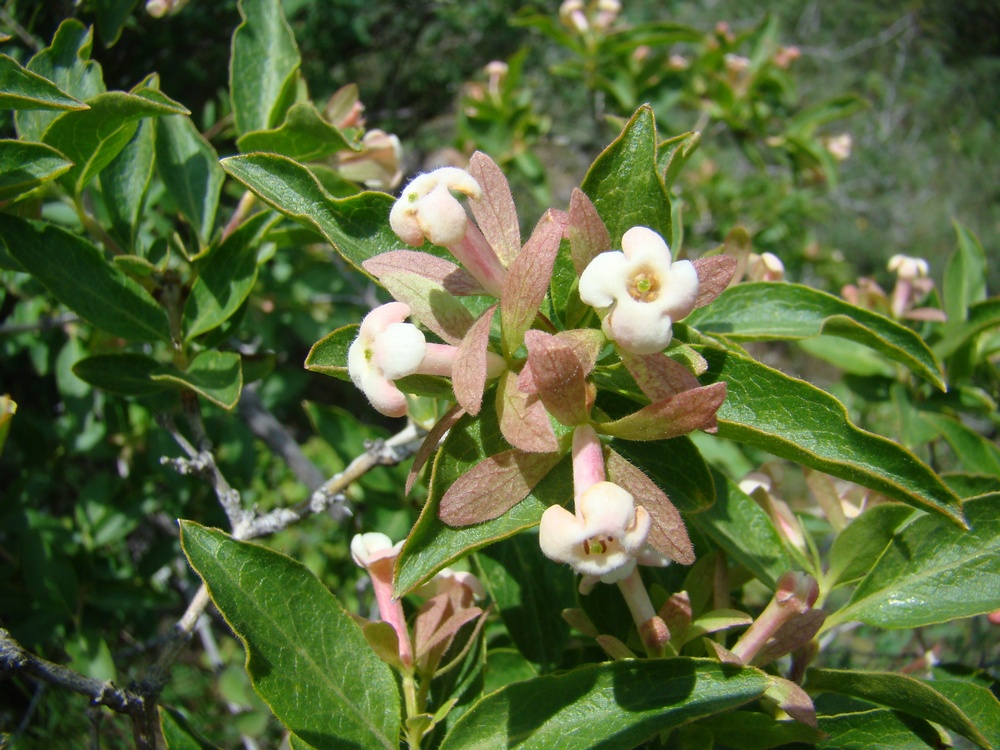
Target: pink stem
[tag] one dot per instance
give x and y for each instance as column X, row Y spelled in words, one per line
column 652, row 629
column 479, row 259
column 389, row 609
column 440, row 360
column 588, row 459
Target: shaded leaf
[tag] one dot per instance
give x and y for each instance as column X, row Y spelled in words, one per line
column 218, row 376
column 856, row 548
column 676, row 466
column 748, row 730
column 329, row 354
column 658, row 376
column 878, row 729
column 674, row 416
column 559, row 377
column 125, row 181
column 964, row 276
column 673, row 153
column 982, row 316
column 430, row 304
column 453, row 278
column 977, row 454
column 303, row 136
column 125, row 374
column 24, row 166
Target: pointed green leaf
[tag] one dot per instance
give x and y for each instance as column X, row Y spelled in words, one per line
column 857, row 547
column 262, row 71
column 125, row 374
column 981, row 317
column 329, row 354
column 878, row 729
column 977, row 454
column 218, row 376
column 77, row 274
column 674, row 153
column 753, row 730
column 901, row 692
column 765, row 311
column 356, row 227
column 189, row 168
column 933, row 571
column 227, row 277
column 431, row 544
column 306, row 657
column 625, row 183
column 303, row 136
column 22, row 89
column 125, row 182
column 67, row 64
column 793, row 419
column 619, row 704
column 976, row 702
column 965, row 276
column 92, row 138
column 24, row 166
column 178, row 734
column 111, row 18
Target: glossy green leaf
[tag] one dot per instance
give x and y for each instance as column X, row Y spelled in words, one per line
column 67, row 64
column 618, row 704
column 24, row 166
column 848, row 356
column 744, row 530
column 178, row 733
column 356, row 227
column 625, row 184
column 793, row 419
column 965, row 276
column 218, row 376
column 878, row 729
column 981, row 316
column 125, row 182
column 77, row 274
column 978, row 703
column 857, row 547
column 431, row 544
column 189, row 168
column 306, row 657
column 751, row 730
column 264, row 65
column 766, row 311
column 329, row 354
column 900, row 692
column 125, row 374
column 92, row 138
column 977, row 454
column 677, row 468
column 530, row 604
column 972, row 485
column 674, row 153
column 22, row 89
column 227, row 277
column 933, row 571
column 303, row 136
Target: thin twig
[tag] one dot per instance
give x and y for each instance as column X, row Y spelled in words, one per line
column 42, row 324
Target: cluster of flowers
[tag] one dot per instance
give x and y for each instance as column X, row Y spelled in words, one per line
column 637, row 293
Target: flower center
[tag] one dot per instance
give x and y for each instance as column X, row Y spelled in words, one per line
column 644, row 286
column 598, row 545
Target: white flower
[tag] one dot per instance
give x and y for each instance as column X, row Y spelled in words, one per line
column 367, row 549
column 603, row 538
column 908, row 268
column 386, row 349
column 646, row 292
column 427, row 209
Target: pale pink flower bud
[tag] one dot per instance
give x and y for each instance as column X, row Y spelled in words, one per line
column 765, row 267
column 386, row 349
column 377, row 165
column 368, row 549
column 645, row 291
column 376, row 553
column 572, row 14
column 428, row 210
column 839, row 146
column 908, row 268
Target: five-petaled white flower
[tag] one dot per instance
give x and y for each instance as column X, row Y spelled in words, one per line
column 603, row 538
column 645, row 291
column 386, row 349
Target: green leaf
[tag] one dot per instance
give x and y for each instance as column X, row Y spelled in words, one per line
column 858, row 546
column 878, row 729
column 965, row 276
column 617, row 704
column 749, row 730
column 530, row 604
column 976, row 702
column 22, row 89
column 227, row 277
column 178, row 734
column 980, row 317
column 744, row 530
column 677, row 468
column 125, row 182
column 848, row 356
column 67, row 64
column 766, row 311
column 124, row 374
column 215, row 375
column 306, row 657
column 24, row 166
column 900, row 692
column 977, row 454
column 793, row 419
column 329, row 354
column 303, row 136
column 932, row 571
column 264, row 65
column 625, row 184
column 431, row 544
column 77, row 274
column 674, row 153
column 189, row 168
column 92, row 138
column 111, row 18
column 356, row 227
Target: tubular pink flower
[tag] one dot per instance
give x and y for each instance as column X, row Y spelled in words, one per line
column 645, row 291
column 376, row 553
column 428, row 210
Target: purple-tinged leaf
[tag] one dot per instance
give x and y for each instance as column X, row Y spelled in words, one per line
column 523, row 419
column 438, row 620
column 586, row 343
column 559, row 377
column 793, row 700
column 495, row 212
column 430, row 444
column 679, row 415
column 494, row 486
column 714, row 275
column 677, row 614
column 668, row 534
column 469, row 375
column 794, row 634
column 658, row 376
column 588, row 237
column 615, row 648
column 431, row 304
column 722, row 653
column 528, row 278
column 452, row 277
